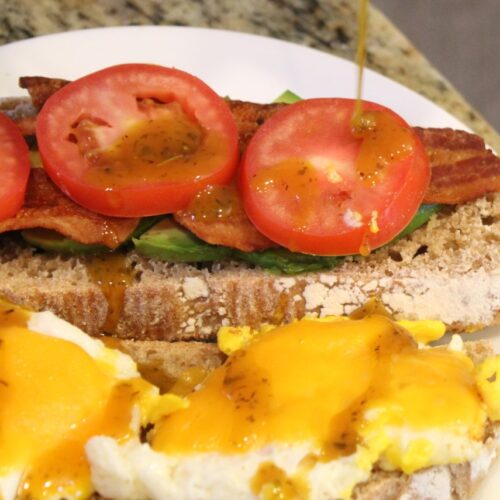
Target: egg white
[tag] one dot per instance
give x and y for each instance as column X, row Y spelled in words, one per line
column 135, row 471
column 9, row 485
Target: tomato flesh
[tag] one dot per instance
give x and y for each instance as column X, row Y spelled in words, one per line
column 313, row 183
column 137, row 140
column 14, row 167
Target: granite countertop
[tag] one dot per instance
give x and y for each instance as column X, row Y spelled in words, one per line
column 328, row 25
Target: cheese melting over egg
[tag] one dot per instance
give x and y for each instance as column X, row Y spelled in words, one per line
column 316, row 381
column 58, row 388
column 305, row 411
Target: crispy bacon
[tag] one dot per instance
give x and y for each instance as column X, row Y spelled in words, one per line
column 235, row 232
column 249, row 117
column 462, row 167
column 41, row 88
column 47, row 207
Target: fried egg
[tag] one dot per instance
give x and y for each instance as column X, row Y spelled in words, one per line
column 306, row 411
column 58, row 388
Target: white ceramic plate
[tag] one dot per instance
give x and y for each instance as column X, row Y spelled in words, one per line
column 238, row 65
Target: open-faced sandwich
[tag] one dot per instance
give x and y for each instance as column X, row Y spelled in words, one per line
column 163, row 211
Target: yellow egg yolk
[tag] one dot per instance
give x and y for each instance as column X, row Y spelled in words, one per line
column 53, row 398
column 314, row 381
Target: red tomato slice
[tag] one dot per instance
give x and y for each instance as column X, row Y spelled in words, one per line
column 14, row 167
column 137, row 139
column 313, row 186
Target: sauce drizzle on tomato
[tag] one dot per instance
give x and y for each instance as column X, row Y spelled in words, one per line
column 360, row 59
column 216, row 203
column 300, row 179
column 384, row 141
column 170, row 147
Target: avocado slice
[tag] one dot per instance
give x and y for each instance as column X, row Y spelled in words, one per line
column 52, row 241
column 168, row 241
column 146, row 223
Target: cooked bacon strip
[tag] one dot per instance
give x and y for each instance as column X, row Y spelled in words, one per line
column 462, row 168
column 47, row 207
column 41, row 88
column 249, row 117
column 235, row 232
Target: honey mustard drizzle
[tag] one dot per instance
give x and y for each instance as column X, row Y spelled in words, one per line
column 360, row 59
column 216, row 204
column 12, row 315
column 383, row 139
column 112, row 275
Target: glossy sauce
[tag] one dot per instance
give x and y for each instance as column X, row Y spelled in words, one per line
column 216, row 203
column 300, row 181
column 65, row 467
column 312, row 381
column 171, row 148
column 384, row 142
column 365, row 248
column 360, row 59
column 112, row 275
column 12, row 315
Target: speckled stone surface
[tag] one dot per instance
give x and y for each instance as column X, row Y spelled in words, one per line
column 329, row 25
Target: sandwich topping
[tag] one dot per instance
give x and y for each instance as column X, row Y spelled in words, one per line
column 314, row 184
column 136, row 139
column 14, row 167
column 45, row 207
column 167, row 144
